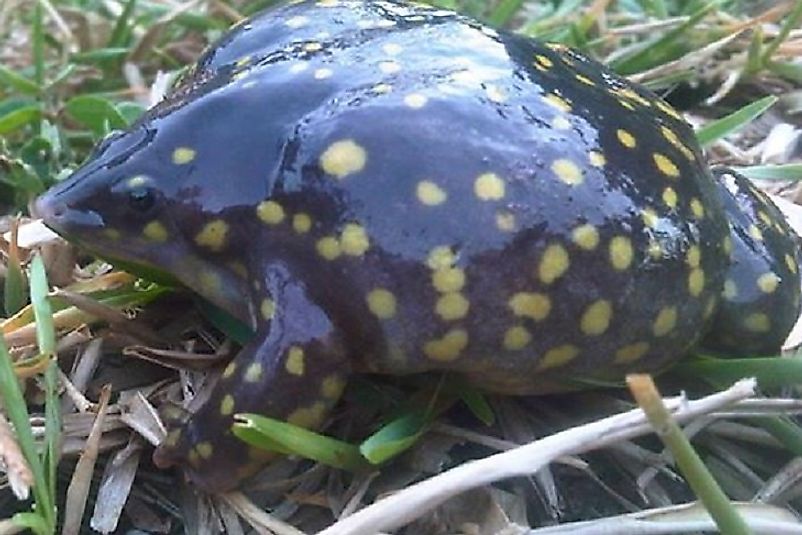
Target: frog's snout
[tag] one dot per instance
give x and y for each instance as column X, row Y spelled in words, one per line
column 60, row 215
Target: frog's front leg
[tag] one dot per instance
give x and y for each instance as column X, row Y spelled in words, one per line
column 294, row 370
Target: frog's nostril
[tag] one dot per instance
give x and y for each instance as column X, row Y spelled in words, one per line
column 49, row 209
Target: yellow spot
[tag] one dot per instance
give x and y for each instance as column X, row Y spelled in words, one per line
column 267, row 308
column 544, row 61
column 596, row 158
column 665, row 165
column 209, row 282
column 354, row 240
column 768, row 282
column 730, row 291
column 155, row 231
column 382, row 303
column 213, row 235
column 449, row 279
column 328, row 247
column 791, row 263
column 389, row 67
column 448, row 347
column 270, row 212
column 430, row 193
column 382, row 89
column 665, row 322
column 558, row 356
column 239, row 268
column 297, row 21
column 452, row 306
column 667, row 109
column 586, row 236
column 626, row 139
column 755, row 233
column 530, row 305
column 631, row 352
column 227, row 405
column 253, row 373
column 193, row 458
column 183, row 155
column 764, row 217
column 626, row 104
column 655, row 250
column 343, row 158
column 392, row 49
column 621, row 252
column 632, row 95
column 137, row 181
column 313, row 47
column 554, row 263
column 495, row 94
column 557, row 101
column 585, row 80
column 560, row 123
column 505, row 221
column 301, row 223
column 415, row 100
column 649, row 217
column 441, row 257
column 295, row 361
column 230, row 369
column 114, row 234
column 758, row 323
column 696, row 282
column 670, row 197
column 727, row 245
column 596, row 318
column 308, row 417
column 694, row 256
column 697, row 208
column 323, row 73
column 489, row 187
column 567, row 171
column 516, row 338
column 332, row 386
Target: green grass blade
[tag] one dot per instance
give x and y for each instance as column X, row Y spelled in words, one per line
column 721, row 127
column 18, row 82
column 17, row 410
column 771, row 372
column 395, row 437
column 46, row 339
column 790, row 22
column 19, row 117
column 120, row 34
column 281, row 437
column 38, row 45
column 791, row 171
column 504, row 11
column 659, row 50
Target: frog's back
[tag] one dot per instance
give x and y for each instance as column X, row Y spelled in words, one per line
column 487, row 203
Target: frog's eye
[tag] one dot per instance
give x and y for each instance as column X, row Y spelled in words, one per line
column 141, row 199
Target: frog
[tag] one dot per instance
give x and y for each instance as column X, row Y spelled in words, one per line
column 378, row 187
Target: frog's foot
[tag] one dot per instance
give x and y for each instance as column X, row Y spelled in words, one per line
column 294, row 370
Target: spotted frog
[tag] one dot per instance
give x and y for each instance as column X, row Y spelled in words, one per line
column 379, row 187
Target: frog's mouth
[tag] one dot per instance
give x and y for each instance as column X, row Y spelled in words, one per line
column 171, row 263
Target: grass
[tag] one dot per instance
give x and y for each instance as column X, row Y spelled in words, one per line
column 73, row 70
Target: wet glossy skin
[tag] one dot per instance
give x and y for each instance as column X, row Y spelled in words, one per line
column 393, row 189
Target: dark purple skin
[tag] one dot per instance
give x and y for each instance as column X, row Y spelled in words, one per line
column 383, row 188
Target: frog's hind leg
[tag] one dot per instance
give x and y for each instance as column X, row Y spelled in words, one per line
column 760, row 300
column 294, row 370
